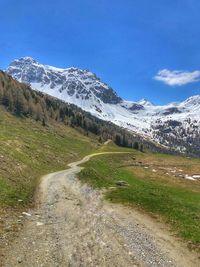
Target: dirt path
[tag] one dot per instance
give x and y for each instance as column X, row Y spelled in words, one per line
column 72, row 226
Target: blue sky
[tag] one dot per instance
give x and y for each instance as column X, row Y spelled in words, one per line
column 136, row 46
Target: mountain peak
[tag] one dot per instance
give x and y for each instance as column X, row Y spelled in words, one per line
column 145, row 102
column 25, row 60
column 191, row 103
column 194, row 99
column 71, row 84
column 166, row 124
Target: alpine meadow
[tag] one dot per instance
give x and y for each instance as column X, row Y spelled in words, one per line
column 100, row 134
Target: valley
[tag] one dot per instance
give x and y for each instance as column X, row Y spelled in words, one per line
column 123, row 189
column 100, row 133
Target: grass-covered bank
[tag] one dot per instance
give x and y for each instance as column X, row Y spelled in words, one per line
column 151, row 188
column 29, row 150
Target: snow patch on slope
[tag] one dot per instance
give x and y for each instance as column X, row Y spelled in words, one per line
column 86, row 90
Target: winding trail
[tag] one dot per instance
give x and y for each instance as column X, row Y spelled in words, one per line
column 73, row 226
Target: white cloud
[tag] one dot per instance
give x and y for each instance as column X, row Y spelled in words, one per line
column 177, row 77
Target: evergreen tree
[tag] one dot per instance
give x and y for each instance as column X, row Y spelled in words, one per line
column 21, row 105
column 118, row 140
column 136, row 145
column 141, row 148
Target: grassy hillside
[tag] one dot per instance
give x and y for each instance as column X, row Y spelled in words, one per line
column 29, row 150
column 152, row 187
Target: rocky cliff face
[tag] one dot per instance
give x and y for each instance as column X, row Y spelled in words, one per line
column 72, row 81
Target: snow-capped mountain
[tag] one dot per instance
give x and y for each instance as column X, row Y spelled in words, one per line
column 174, row 125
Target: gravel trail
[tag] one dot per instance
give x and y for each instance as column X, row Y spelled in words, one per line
column 73, row 226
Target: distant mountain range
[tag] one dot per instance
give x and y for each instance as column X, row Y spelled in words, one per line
column 175, row 125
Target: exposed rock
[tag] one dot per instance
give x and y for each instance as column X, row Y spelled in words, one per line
column 122, row 183
column 136, row 106
column 26, row 214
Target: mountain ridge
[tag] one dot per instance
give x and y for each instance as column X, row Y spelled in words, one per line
column 22, row 101
column 175, row 124
column 31, row 60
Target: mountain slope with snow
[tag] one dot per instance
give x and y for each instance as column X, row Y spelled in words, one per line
column 174, row 125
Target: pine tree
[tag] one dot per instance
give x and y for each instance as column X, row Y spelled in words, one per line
column 141, row 148
column 136, row 145
column 118, row 140
column 43, row 122
column 39, row 112
column 21, row 106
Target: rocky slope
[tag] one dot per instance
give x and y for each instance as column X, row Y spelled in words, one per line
column 175, row 125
